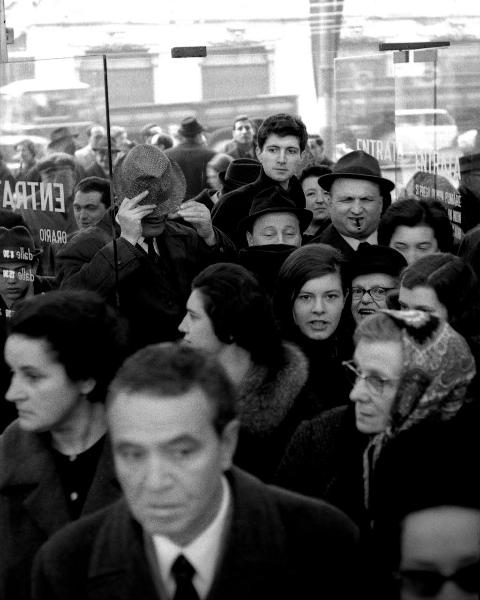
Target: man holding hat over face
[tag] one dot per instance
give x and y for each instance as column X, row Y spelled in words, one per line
column 357, row 195
column 153, row 259
column 192, row 155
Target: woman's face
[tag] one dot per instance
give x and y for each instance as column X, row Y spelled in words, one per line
column 318, row 306
column 197, row 326
column 440, row 554
column 422, row 298
column 380, row 367
column 414, row 242
column 45, row 397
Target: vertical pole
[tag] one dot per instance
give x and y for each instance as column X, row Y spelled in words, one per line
column 3, row 34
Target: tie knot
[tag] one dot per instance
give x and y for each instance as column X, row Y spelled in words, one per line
column 182, row 569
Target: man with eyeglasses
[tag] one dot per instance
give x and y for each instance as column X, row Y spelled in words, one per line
column 357, row 197
column 375, row 274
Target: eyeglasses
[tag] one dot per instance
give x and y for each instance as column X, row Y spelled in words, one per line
column 427, row 584
column 377, row 293
column 375, row 383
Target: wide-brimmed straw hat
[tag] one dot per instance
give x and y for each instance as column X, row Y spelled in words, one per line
column 146, row 167
column 356, row 165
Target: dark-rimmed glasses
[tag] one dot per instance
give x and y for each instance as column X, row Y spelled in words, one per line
column 377, row 293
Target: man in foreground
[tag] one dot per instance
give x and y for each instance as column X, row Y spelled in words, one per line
column 190, row 525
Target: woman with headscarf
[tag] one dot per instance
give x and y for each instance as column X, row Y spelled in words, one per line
column 409, row 368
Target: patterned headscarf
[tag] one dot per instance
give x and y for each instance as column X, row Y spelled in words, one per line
column 437, row 369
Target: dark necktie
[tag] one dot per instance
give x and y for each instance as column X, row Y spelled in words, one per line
column 150, row 247
column 183, row 573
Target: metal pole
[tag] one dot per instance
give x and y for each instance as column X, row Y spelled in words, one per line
column 3, row 34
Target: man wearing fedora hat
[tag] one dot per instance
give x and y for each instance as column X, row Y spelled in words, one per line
column 192, row 155
column 62, row 139
column 357, row 196
column 101, row 166
column 273, row 229
column 281, row 142
column 149, row 266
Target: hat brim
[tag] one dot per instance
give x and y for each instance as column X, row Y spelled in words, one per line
column 326, row 181
column 304, row 215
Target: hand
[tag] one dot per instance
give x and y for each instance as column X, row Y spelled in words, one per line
column 130, row 216
column 199, row 216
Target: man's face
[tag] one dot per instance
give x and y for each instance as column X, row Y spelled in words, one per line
column 315, row 198
column 62, row 175
column 280, row 157
column 355, row 207
column 15, row 279
column 275, row 228
column 26, row 156
column 88, row 208
column 153, row 226
column 369, row 294
column 243, row 132
column 101, row 157
column 169, row 460
column 95, row 134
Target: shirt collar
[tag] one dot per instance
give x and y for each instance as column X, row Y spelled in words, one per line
column 354, row 243
column 202, row 552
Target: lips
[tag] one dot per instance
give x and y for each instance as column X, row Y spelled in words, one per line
column 318, row 324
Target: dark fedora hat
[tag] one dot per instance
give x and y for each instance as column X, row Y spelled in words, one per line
column 356, row 165
column 60, row 134
column 369, row 259
column 56, row 160
column 17, row 245
column 189, row 127
column 239, row 172
column 274, row 200
column 146, row 167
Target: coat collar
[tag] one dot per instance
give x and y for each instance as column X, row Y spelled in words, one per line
column 118, row 558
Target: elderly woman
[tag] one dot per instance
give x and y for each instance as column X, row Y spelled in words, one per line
column 408, row 368
column 229, row 316
column 310, row 304
column 62, row 349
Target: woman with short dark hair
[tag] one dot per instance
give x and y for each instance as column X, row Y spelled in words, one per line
column 416, row 228
column 229, row 316
column 62, row 348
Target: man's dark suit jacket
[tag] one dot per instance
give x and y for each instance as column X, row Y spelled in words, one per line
column 235, row 205
column 279, row 546
column 331, row 236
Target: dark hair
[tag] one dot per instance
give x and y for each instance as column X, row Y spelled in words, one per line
column 10, row 219
column 163, row 139
column 303, row 264
column 411, row 212
column 455, row 283
column 83, row 333
column 240, row 312
column 314, row 171
column 172, row 369
column 28, row 144
column 241, row 118
column 282, row 124
column 95, row 184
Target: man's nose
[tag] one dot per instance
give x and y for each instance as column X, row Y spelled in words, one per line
column 356, row 207
column 158, row 474
column 359, row 393
column 15, row 391
column 182, row 328
column 282, row 155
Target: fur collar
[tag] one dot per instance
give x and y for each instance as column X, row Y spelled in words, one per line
column 263, row 403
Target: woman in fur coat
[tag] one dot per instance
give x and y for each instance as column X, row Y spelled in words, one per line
column 229, row 315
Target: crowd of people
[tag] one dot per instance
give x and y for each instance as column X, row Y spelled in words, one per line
column 239, row 373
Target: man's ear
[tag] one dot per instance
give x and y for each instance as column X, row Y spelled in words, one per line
column 229, row 439
column 258, row 152
column 249, row 239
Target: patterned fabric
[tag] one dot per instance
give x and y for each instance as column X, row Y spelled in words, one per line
column 437, row 369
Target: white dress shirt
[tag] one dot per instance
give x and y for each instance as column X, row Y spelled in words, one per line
column 354, row 243
column 202, row 553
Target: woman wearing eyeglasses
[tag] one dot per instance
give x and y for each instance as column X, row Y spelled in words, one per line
column 408, row 367
column 375, row 272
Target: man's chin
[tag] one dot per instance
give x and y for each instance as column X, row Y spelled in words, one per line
column 153, row 229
